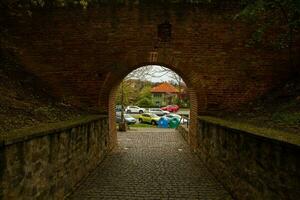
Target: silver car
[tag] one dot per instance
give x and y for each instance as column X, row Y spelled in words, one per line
column 158, row 111
column 128, row 118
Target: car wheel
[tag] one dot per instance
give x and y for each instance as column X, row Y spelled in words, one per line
column 141, row 120
column 140, row 111
column 153, row 122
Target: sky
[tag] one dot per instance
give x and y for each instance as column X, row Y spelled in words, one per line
column 156, row 74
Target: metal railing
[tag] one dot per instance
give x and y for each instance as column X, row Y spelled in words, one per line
column 184, row 117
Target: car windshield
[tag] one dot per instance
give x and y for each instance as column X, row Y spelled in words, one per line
column 153, row 115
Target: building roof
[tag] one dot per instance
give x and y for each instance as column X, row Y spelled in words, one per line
column 164, row 88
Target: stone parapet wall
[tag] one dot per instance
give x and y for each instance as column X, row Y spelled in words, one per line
column 252, row 163
column 184, row 132
column 47, row 162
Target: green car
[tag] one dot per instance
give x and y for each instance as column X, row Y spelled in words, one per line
column 149, row 118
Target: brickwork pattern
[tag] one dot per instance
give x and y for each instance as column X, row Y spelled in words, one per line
column 83, row 60
column 151, row 165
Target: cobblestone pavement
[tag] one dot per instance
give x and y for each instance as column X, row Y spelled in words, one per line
column 151, row 165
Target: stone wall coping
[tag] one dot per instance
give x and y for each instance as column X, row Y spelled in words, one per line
column 184, row 127
column 20, row 135
column 274, row 135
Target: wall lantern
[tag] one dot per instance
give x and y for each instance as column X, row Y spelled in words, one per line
column 164, row 32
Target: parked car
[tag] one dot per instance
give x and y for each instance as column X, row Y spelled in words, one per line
column 118, row 108
column 134, row 109
column 158, row 111
column 171, row 108
column 128, row 118
column 180, row 118
column 149, row 118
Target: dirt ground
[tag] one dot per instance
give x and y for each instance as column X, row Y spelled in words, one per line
column 279, row 109
column 25, row 102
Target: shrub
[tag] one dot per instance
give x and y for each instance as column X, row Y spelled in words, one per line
column 145, row 102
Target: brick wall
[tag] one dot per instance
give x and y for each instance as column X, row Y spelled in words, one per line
column 48, row 162
column 84, row 54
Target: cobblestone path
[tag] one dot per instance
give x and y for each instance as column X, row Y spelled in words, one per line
column 151, row 165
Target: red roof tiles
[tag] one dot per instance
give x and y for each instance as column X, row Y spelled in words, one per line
column 164, row 88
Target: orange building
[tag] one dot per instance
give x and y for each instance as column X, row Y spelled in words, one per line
column 164, row 94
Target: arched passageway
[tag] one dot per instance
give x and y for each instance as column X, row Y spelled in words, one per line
column 208, row 49
column 197, row 103
column 97, row 50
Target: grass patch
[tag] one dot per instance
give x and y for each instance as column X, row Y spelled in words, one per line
column 142, row 126
column 291, row 119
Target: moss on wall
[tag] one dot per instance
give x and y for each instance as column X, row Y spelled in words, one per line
column 251, row 129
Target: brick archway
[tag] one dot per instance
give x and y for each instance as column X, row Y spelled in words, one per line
column 197, row 95
column 85, row 64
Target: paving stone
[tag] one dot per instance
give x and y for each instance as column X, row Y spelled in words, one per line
column 151, row 165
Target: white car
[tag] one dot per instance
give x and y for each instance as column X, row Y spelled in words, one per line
column 181, row 119
column 158, row 111
column 134, row 109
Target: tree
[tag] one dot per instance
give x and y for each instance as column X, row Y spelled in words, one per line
column 175, row 80
column 145, row 93
column 178, row 81
column 268, row 14
column 145, row 102
column 145, row 97
column 128, row 92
